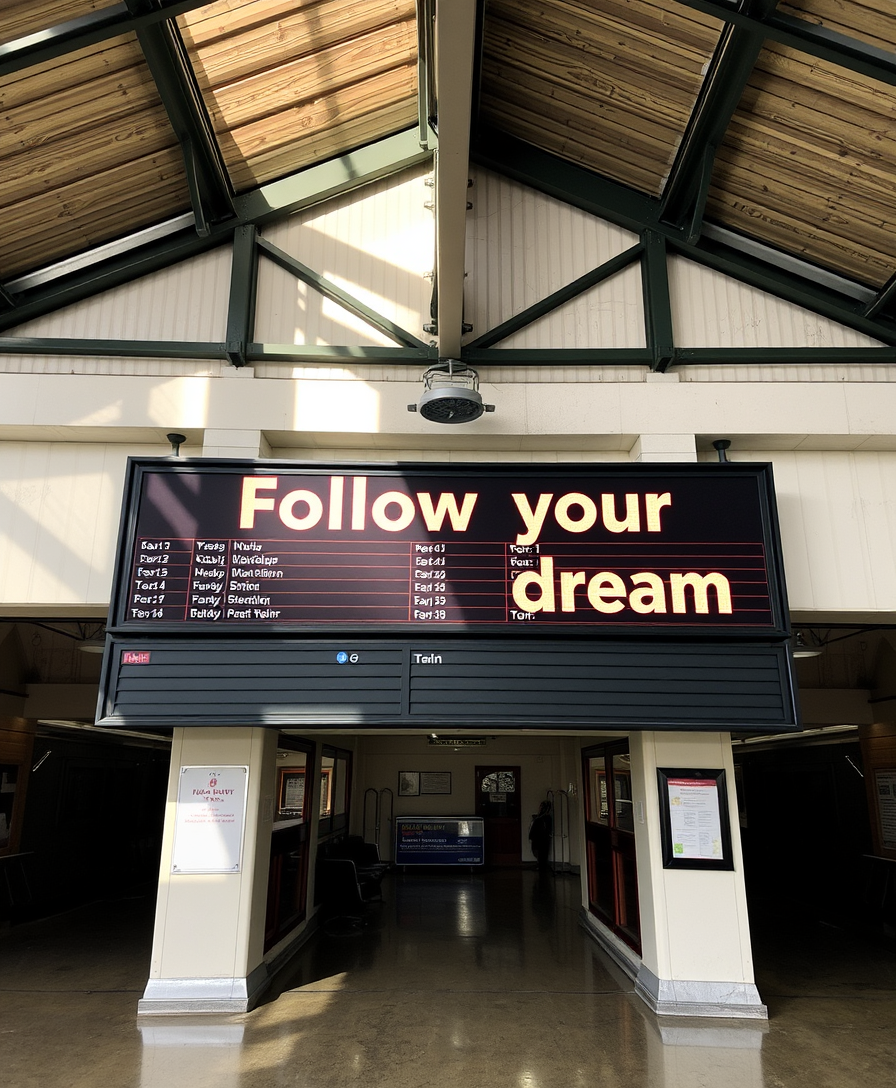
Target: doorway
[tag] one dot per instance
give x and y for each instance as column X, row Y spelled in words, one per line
column 498, row 793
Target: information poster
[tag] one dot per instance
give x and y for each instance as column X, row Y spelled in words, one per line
column 694, row 817
column 211, row 812
column 886, row 807
column 694, row 809
column 439, row 841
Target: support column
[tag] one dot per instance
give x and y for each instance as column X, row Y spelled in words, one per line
column 235, row 443
column 696, row 957
column 208, row 943
column 664, row 447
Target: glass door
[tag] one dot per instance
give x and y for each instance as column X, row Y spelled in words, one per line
column 498, row 803
column 288, row 872
column 610, row 841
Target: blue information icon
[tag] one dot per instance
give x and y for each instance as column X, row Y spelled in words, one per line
column 342, row 657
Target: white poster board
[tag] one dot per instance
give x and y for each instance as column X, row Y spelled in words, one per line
column 694, row 823
column 885, row 782
column 211, row 813
column 694, row 818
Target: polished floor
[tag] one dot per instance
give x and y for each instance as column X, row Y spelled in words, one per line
column 462, row 982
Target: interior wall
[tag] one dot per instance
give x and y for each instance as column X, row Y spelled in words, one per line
column 545, row 762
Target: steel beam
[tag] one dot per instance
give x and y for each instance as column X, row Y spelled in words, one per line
column 455, row 50
column 686, row 190
column 44, row 291
column 326, row 180
column 319, row 353
column 166, row 57
column 800, row 34
column 657, row 304
column 341, row 298
column 243, row 286
column 738, row 256
column 556, row 299
column 96, row 26
column 125, row 349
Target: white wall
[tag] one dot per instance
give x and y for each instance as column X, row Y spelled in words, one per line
column 545, row 762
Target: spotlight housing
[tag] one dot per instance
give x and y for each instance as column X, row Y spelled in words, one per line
column 451, row 394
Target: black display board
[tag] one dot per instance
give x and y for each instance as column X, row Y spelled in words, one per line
column 424, row 549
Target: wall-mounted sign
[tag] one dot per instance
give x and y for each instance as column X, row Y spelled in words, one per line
column 622, row 548
column 885, row 788
column 457, row 742
column 694, row 822
column 208, row 825
column 435, row 781
column 439, row 840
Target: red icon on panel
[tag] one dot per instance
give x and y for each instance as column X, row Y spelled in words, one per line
column 135, row 657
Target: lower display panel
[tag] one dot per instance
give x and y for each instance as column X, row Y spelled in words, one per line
column 499, row 683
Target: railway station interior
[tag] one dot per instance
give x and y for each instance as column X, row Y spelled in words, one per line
column 625, row 269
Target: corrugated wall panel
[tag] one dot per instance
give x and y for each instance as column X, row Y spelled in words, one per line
column 711, row 310
column 610, row 315
column 377, row 245
column 76, row 364
column 522, row 246
column 784, row 372
column 368, row 453
column 60, row 504
column 185, row 302
column 838, row 523
column 400, row 372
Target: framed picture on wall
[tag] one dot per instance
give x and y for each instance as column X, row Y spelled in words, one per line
column 408, row 783
column 291, row 795
column 694, row 825
column 435, row 781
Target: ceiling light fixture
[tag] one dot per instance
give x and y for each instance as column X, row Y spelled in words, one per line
column 451, row 394
column 806, row 645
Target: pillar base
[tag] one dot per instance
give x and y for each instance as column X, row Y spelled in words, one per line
column 176, row 996
column 685, row 997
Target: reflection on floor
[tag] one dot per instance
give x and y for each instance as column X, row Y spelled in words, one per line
column 461, row 981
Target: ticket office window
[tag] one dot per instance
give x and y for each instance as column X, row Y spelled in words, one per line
column 335, row 791
column 610, row 841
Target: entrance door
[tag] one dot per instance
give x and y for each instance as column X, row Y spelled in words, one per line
column 498, row 803
column 610, row 841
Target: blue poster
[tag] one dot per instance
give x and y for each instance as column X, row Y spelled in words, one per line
column 442, row 840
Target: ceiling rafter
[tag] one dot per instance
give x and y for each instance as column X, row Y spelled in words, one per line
column 210, row 191
column 819, row 41
column 44, row 293
column 454, row 47
column 687, row 187
column 97, row 26
column 753, row 262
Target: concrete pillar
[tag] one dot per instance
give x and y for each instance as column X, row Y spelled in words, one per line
column 218, row 442
column 696, row 957
column 664, row 447
column 208, row 943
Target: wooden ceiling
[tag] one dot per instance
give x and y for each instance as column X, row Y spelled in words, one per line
column 771, row 123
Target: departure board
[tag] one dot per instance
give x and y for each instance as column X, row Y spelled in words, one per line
column 209, row 544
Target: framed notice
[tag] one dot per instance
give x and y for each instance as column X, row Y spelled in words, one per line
column 292, row 791
column 408, row 783
column 696, row 833
column 435, row 781
column 211, row 813
column 885, row 788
